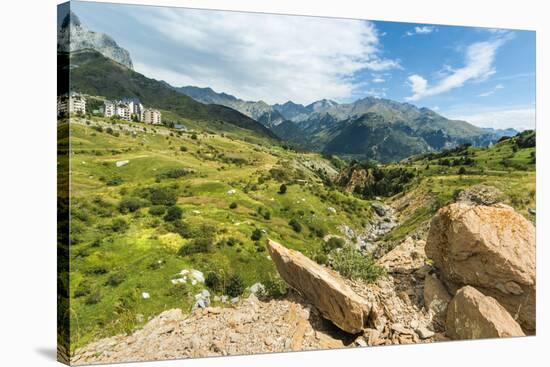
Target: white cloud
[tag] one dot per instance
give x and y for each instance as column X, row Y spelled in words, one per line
column 270, row 57
column 420, row 30
column 518, row 117
column 478, row 65
column 492, row 91
column 378, row 79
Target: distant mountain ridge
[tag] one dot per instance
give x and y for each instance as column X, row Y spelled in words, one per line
column 370, row 127
column 75, row 36
column 259, row 111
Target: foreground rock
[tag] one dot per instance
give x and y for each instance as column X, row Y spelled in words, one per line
column 325, row 290
column 252, row 326
column 472, row 315
column 490, row 248
column 436, row 297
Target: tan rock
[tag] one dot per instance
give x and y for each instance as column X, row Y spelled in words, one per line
column 436, row 297
column 472, row 315
column 490, row 248
column 334, row 299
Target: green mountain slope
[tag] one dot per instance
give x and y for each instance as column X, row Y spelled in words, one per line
column 92, row 73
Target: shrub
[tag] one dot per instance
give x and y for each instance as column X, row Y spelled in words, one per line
column 235, row 286
column 173, row 214
column 115, row 279
column 173, row 173
column 197, row 245
column 256, row 235
column 351, row 264
column 282, row 189
column 194, row 136
column 159, row 195
column 115, row 181
column 213, row 282
column 296, row 226
column 157, row 210
column 321, row 258
column 275, row 287
column 233, row 205
column 130, row 205
column 119, row 225
column 82, row 290
column 461, row 171
column 332, row 244
column 97, row 270
column 183, row 148
column 93, row 298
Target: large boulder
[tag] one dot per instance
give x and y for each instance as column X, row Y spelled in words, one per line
column 472, row 315
column 491, row 248
column 436, row 297
column 334, row 299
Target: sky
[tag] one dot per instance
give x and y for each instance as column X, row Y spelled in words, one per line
column 481, row 75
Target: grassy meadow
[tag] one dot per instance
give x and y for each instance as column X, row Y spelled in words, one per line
column 202, row 200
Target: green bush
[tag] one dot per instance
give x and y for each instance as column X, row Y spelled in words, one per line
column 197, row 245
column 158, row 195
column 173, row 173
column 233, row 205
column 115, row 181
column 213, row 282
column 282, row 189
column 275, row 287
column 115, row 279
column 332, row 243
column 157, row 210
column 130, row 205
column 82, row 290
column 296, row 226
column 173, row 213
column 351, row 264
column 93, row 298
column 235, row 286
column 321, row 258
column 256, row 235
column 119, row 225
column 183, row 148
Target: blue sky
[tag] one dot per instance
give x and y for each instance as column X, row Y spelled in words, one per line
column 484, row 76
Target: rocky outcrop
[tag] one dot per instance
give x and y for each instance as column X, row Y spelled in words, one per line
column 74, row 36
column 334, row 299
column 250, row 327
column 491, row 248
column 472, row 315
column 436, row 297
column 481, row 194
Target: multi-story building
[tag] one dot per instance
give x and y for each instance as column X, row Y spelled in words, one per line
column 127, row 109
column 151, row 116
column 109, row 108
column 72, row 103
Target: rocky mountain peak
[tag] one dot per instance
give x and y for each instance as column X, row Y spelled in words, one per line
column 73, row 35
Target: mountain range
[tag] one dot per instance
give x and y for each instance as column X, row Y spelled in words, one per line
column 368, row 128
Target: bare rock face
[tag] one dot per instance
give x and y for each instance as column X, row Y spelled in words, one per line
column 334, row 299
column 436, row 297
column 472, row 315
column 490, row 248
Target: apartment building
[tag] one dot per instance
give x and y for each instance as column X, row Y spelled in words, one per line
column 72, row 103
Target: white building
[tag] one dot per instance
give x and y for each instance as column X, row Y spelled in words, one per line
column 151, row 116
column 109, row 109
column 73, row 103
column 127, row 109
